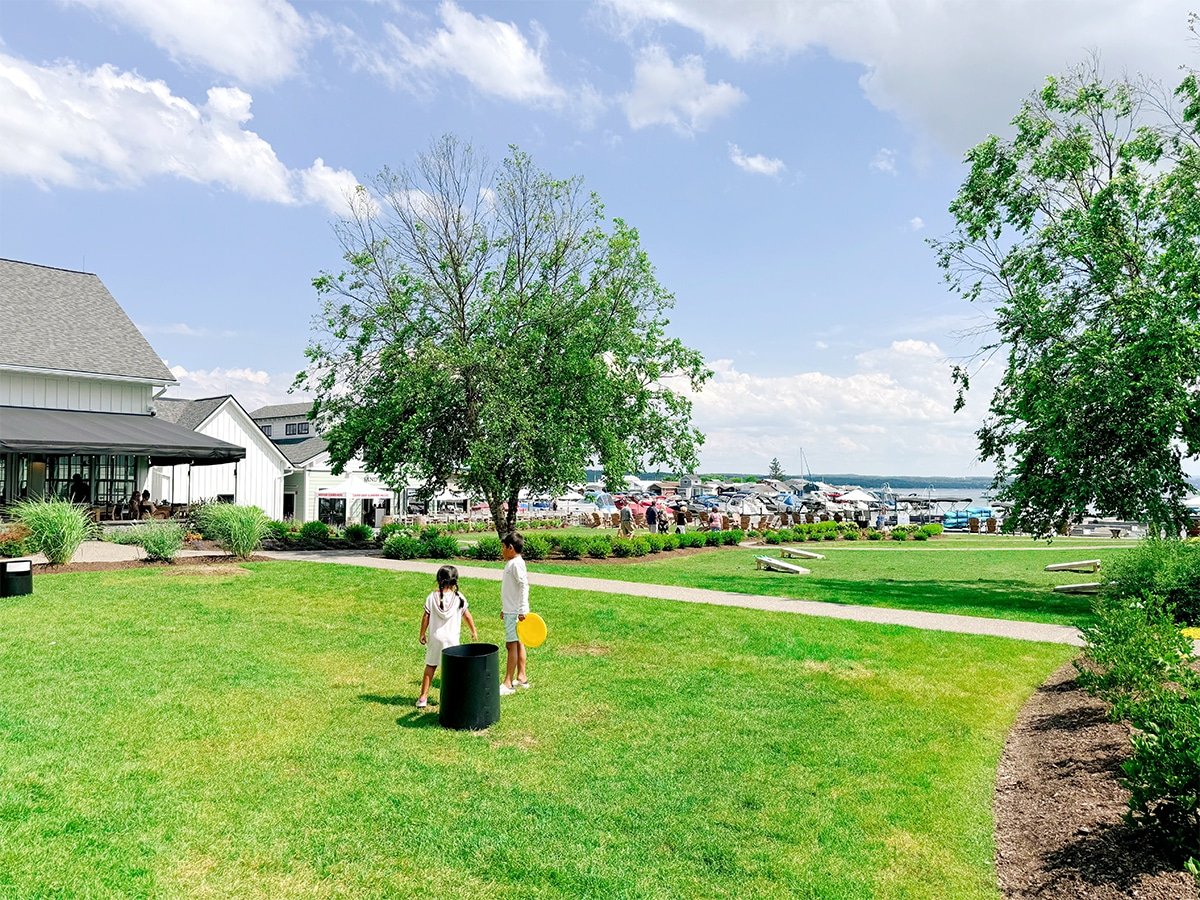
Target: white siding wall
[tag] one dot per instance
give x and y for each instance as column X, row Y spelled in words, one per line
column 259, row 479
column 69, row 392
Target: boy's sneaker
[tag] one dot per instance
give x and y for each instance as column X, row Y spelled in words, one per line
column 506, row 691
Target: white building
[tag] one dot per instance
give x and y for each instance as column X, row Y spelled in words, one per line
column 77, row 385
column 311, row 491
column 255, row 481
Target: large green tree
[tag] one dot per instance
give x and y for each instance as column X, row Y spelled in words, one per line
column 1083, row 231
column 495, row 326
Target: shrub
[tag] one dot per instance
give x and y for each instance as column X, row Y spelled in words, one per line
column 1166, row 569
column 160, row 540
column 402, row 546
column 429, row 532
column 731, row 538
column 693, row 539
column 899, row 534
column 813, row 536
column 359, row 533
column 12, row 539
column 279, row 530
column 713, row 538
column 1140, row 663
column 933, row 529
column 641, row 545
column 487, row 547
column 573, row 546
column 656, row 542
column 920, row 535
column 830, row 535
column 873, row 534
column 852, row 534
column 772, row 537
column 622, row 547
column 314, row 531
column 670, row 542
column 554, row 540
column 600, row 547
column 56, row 527
column 122, row 536
column 238, row 529
column 394, row 528
column 440, row 546
column 536, row 547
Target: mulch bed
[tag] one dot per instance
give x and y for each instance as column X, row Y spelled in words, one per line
column 116, row 565
column 1059, row 807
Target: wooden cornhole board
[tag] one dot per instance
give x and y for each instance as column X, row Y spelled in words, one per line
column 797, row 553
column 1088, row 587
column 1084, row 565
column 778, row 565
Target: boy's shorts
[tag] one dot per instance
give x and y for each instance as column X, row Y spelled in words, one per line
column 510, row 627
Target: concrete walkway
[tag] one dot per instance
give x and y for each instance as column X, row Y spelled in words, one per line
column 1022, row 631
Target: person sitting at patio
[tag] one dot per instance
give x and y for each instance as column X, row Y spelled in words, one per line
column 135, row 505
column 147, row 507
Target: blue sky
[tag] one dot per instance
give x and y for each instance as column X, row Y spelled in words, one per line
column 784, row 163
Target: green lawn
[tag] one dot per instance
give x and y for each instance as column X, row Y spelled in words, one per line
column 251, row 735
column 978, row 576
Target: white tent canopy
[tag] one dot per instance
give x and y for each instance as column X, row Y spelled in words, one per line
column 355, row 491
column 857, row 496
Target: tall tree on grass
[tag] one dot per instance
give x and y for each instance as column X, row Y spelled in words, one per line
column 496, row 326
column 1083, row 230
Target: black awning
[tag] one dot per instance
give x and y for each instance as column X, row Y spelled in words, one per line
column 60, row 432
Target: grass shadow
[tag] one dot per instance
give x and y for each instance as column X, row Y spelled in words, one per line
column 993, row 599
column 393, row 700
column 418, row 718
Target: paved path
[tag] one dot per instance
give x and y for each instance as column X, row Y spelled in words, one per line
column 1024, row 631
column 103, row 551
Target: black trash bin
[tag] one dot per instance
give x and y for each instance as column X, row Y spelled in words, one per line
column 470, row 697
column 16, row 577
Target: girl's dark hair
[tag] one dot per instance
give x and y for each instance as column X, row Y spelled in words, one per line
column 447, row 577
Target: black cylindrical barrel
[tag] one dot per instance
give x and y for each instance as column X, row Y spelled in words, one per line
column 16, row 577
column 470, row 697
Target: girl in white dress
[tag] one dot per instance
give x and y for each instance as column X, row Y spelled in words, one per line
column 445, row 610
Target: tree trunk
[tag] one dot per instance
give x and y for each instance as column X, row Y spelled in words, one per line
column 511, row 519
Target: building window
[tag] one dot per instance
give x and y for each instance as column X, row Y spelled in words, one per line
column 332, row 511
column 266, row 430
column 289, row 428
column 302, row 428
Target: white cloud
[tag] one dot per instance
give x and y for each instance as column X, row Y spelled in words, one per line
column 756, row 164
column 253, row 41
column 182, row 329
column 884, row 161
column 252, row 387
column 953, row 71
column 892, row 413
column 676, row 95
column 494, row 57
column 916, row 223
column 106, row 128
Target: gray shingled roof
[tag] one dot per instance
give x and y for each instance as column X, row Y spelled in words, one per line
column 64, row 320
column 301, row 450
column 187, row 413
column 282, row 411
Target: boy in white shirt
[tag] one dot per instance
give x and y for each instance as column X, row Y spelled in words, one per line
column 514, row 605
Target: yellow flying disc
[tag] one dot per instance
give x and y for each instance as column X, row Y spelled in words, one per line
column 532, row 630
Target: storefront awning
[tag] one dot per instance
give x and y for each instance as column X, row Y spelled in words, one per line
column 62, row 432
